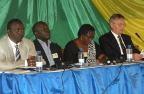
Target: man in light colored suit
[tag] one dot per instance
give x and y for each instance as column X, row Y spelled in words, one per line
column 10, row 56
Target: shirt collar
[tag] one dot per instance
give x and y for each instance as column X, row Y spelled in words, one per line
column 13, row 43
column 115, row 35
column 42, row 42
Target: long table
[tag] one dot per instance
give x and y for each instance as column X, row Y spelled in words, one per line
column 119, row 79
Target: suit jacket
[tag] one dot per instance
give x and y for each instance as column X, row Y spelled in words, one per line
column 55, row 49
column 111, row 48
column 7, row 58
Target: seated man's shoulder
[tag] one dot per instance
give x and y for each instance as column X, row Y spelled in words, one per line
column 27, row 41
column 125, row 35
column 54, row 44
column 105, row 36
column 3, row 40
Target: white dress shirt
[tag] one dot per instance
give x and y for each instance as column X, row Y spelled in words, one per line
column 47, row 51
column 117, row 39
column 13, row 44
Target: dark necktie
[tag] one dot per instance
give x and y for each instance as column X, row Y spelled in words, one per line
column 17, row 53
column 122, row 44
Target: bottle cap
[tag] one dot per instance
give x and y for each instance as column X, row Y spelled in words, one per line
column 129, row 46
column 81, row 49
column 38, row 52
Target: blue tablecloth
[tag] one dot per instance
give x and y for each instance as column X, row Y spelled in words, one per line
column 125, row 79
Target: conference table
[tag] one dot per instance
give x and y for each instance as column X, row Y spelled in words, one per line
column 101, row 79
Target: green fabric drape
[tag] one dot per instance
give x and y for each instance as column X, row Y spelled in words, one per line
column 64, row 17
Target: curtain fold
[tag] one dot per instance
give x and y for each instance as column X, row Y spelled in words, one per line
column 64, row 17
column 133, row 12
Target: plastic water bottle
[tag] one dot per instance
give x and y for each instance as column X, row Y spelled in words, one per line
column 39, row 64
column 80, row 57
column 129, row 53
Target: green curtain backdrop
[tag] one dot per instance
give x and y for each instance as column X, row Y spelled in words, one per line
column 64, row 17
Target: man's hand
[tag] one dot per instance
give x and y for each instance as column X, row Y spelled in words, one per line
column 137, row 56
column 31, row 61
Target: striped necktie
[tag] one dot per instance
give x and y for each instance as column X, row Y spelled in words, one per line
column 122, row 44
column 17, row 53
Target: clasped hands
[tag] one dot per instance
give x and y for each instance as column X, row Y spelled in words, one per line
column 31, row 61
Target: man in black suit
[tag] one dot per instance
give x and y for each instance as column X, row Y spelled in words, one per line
column 51, row 52
column 114, row 43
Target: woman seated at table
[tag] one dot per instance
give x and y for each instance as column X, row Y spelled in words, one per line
column 91, row 50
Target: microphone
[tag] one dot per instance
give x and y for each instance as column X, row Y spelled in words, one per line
column 139, row 37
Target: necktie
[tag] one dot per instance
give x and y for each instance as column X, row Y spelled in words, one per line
column 122, row 44
column 17, row 53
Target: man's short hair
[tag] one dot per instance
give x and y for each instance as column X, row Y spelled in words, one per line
column 13, row 21
column 116, row 16
column 34, row 28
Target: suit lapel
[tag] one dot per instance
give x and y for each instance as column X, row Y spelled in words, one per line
column 39, row 47
column 24, row 51
column 114, row 43
column 10, row 51
column 124, row 40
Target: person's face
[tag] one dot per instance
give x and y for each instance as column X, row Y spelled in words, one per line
column 88, row 38
column 42, row 32
column 16, row 32
column 118, row 26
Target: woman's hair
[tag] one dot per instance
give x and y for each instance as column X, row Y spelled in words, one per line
column 85, row 28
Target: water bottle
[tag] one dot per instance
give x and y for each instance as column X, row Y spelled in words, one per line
column 39, row 64
column 80, row 57
column 129, row 53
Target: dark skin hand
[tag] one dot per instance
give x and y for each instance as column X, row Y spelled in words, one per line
column 31, row 61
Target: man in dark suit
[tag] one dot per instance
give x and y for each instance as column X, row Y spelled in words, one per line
column 51, row 52
column 114, row 43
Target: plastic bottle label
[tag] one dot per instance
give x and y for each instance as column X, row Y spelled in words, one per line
column 129, row 56
column 81, row 61
column 39, row 64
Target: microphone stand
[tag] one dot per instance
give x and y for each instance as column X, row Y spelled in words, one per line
column 139, row 37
